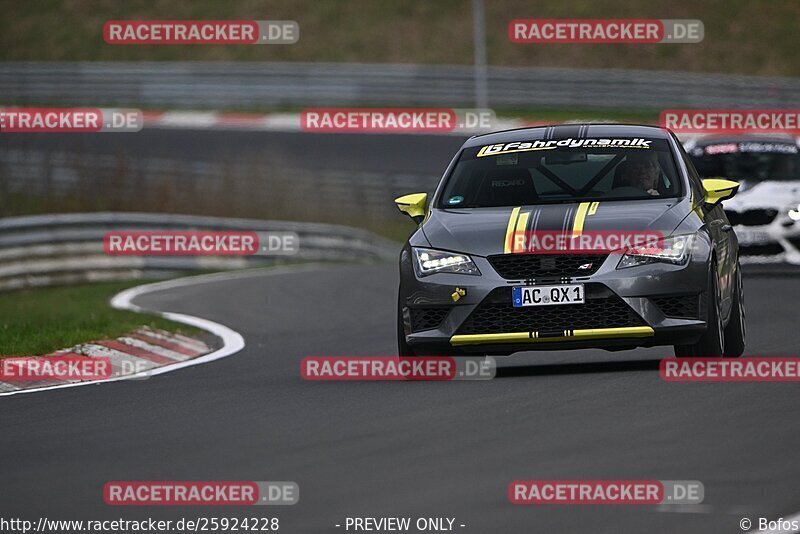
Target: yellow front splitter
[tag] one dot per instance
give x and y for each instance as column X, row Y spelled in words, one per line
column 533, row 337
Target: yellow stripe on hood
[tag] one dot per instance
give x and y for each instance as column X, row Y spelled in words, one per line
column 512, row 223
column 580, row 218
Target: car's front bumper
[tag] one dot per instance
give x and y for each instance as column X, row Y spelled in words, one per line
column 634, row 307
column 777, row 242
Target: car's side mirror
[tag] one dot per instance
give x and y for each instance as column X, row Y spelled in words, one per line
column 413, row 205
column 719, row 189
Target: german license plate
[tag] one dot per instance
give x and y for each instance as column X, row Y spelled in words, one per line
column 547, row 295
column 749, row 236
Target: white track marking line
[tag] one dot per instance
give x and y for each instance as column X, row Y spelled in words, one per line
column 232, row 341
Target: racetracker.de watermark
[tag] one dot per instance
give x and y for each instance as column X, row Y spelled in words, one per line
column 580, row 492
column 55, row 368
column 585, row 242
column 205, row 493
column 747, row 369
column 200, row 243
column 731, row 121
column 393, row 368
column 200, row 32
column 395, row 120
column 605, row 31
column 76, row 120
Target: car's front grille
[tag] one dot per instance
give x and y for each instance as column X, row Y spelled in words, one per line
column 766, row 249
column 754, row 217
column 427, row 318
column 681, row 306
column 496, row 315
column 524, row 266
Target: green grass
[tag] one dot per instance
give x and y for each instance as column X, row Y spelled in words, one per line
column 39, row 321
column 741, row 36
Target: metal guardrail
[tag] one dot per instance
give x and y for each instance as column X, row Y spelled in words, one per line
column 239, row 185
column 220, row 85
column 68, row 248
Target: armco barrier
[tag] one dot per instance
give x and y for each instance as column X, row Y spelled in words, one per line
column 252, row 184
column 229, row 85
column 68, row 248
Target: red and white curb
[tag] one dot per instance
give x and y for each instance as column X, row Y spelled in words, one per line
column 291, row 122
column 157, row 351
column 141, row 350
column 278, row 122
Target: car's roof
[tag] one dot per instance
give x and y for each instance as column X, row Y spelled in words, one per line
column 562, row 131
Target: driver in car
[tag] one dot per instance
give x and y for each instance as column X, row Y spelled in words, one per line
column 642, row 172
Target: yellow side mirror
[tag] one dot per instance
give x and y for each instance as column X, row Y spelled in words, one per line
column 413, row 205
column 718, row 189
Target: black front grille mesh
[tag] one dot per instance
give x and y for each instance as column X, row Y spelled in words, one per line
column 754, row 217
column 427, row 318
column 493, row 317
column 682, row 306
column 766, row 249
column 524, row 266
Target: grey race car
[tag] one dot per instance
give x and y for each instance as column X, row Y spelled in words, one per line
column 470, row 283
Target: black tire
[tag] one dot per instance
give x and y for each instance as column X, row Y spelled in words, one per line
column 403, row 348
column 736, row 331
column 712, row 344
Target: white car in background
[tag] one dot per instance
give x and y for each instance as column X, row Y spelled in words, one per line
column 766, row 211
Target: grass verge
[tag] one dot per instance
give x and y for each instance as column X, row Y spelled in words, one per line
column 741, row 36
column 42, row 320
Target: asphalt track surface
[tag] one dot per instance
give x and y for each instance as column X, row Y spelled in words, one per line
column 408, row 449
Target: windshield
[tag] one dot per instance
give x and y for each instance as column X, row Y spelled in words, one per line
column 755, row 161
column 558, row 171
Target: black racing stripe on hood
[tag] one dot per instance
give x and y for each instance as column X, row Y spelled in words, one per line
column 554, row 217
column 593, row 216
column 535, row 214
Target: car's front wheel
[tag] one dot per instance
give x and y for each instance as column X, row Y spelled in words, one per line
column 712, row 344
column 736, row 329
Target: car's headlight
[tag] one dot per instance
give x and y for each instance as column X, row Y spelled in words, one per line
column 428, row 261
column 794, row 213
column 674, row 250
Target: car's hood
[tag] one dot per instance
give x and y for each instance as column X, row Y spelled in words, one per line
column 765, row 194
column 482, row 231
